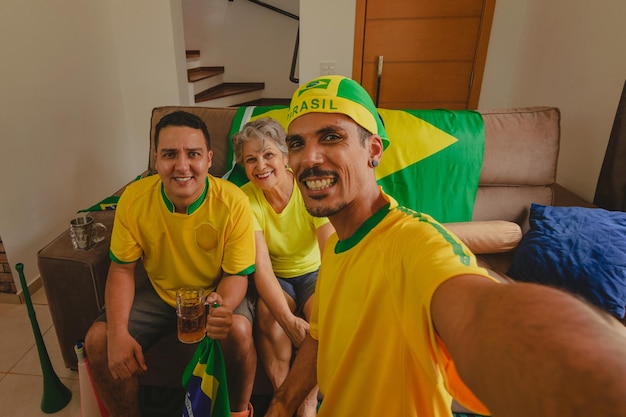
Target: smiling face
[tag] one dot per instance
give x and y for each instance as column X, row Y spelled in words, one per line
column 264, row 163
column 182, row 162
column 331, row 164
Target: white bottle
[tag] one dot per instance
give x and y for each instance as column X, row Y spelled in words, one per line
column 90, row 403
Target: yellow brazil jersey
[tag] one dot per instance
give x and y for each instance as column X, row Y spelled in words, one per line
column 378, row 354
column 290, row 235
column 189, row 249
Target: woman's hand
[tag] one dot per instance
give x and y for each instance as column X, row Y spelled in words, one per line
column 296, row 328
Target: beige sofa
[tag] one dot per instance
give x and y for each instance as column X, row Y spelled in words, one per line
column 519, row 168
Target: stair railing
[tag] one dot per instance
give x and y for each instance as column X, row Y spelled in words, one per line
column 294, row 58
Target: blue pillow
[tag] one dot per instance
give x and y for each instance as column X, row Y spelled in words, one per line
column 582, row 250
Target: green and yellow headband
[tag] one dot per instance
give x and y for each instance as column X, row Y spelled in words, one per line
column 337, row 94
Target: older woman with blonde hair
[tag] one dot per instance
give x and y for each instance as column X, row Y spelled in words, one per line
column 289, row 243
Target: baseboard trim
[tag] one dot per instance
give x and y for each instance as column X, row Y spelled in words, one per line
column 18, row 298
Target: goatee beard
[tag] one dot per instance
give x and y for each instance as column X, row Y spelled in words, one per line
column 325, row 211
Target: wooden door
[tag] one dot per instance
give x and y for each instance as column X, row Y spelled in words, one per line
column 433, row 51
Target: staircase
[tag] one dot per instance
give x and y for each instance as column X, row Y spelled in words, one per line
column 207, row 87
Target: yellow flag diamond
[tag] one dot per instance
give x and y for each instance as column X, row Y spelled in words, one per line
column 411, row 140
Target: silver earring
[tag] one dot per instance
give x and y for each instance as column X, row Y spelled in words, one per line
column 374, row 163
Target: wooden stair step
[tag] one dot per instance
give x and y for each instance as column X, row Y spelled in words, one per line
column 192, row 53
column 200, row 73
column 268, row 102
column 227, row 89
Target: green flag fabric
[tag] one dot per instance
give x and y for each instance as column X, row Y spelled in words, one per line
column 432, row 164
column 204, row 379
column 109, row 203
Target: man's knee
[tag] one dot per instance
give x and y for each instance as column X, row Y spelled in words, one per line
column 95, row 341
column 239, row 338
column 241, row 329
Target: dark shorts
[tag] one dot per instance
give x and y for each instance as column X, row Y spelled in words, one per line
column 151, row 318
column 299, row 288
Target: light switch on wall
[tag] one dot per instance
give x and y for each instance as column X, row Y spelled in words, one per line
column 328, row 67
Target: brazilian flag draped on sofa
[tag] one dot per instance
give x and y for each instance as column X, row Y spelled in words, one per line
column 432, row 164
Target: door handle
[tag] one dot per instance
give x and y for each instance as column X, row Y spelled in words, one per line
column 379, row 75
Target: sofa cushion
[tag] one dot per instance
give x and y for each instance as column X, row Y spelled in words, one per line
column 495, row 236
column 519, row 166
column 521, row 146
column 582, row 250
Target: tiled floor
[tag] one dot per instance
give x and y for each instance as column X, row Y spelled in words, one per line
column 21, row 379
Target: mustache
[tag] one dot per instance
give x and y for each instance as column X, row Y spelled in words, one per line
column 316, row 172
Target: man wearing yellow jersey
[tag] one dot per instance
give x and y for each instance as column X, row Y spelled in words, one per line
column 189, row 229
column 403, row 319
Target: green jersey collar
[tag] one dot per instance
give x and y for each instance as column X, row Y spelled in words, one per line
column 193, row 206
column 363, row 230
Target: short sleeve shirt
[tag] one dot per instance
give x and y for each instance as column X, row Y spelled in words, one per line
column 290, row 235
column 378, row 352
column 215, row 236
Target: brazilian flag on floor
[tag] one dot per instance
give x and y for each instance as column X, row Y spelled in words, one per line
column 432, row 164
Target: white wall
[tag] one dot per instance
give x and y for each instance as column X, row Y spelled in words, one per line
column 150, row 50
column 564, row 53
column 252, row 43
column 77, row 83
column 326, row 34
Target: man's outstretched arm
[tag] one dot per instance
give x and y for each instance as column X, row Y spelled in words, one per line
column 531, row 350
column 301, row 379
